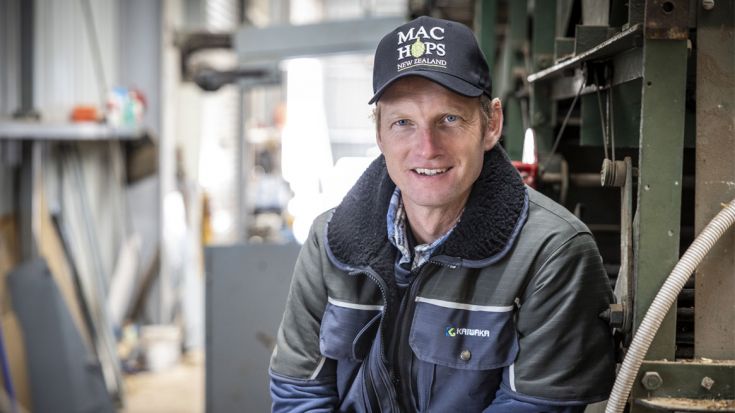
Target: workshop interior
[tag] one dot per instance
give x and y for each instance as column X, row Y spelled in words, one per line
column 161, row 162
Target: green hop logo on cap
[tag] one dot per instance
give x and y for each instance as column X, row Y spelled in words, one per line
column 418, row 48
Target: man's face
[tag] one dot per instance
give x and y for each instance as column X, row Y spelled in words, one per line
column 434, row 142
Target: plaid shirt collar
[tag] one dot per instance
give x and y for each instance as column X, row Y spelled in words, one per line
column 397, row 227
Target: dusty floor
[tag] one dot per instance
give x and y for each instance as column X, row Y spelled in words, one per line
column 179, row 389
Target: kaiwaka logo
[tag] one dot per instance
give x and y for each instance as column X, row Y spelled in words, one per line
column 420, row 46
column 451, row 331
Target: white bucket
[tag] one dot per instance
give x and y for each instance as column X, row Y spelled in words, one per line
column 161, row 346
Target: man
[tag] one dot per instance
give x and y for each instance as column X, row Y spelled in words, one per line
column 441, row 283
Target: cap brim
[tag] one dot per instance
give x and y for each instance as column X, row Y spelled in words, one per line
column 450, row 82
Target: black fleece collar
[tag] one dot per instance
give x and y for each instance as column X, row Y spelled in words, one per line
column 496, row 210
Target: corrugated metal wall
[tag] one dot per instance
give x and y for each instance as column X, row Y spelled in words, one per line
column 65, row 70
column 139, row 54
column 9, row 49
column 9, row 92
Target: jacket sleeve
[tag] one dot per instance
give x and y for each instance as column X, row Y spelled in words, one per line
column 566, row 351
column 314, row 396
column 301, row 378
column 504, row 403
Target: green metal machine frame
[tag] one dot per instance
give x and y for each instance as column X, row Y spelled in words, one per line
column 656, row 82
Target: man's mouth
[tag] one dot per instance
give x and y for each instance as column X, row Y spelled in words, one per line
column 430, row 172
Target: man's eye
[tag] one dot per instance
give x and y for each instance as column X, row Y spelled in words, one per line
column 451, row 118
column 402, row 122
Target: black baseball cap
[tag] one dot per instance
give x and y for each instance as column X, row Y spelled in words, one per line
column 443, row 51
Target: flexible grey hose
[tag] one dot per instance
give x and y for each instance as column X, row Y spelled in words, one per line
column 662, row 303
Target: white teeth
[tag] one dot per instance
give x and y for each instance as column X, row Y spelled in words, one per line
column 430, row 172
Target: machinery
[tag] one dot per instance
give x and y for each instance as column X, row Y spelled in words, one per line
column 631, row 106
column 624, row 112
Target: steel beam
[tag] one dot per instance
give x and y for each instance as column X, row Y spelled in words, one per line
column 714, row 330
column 626, row 67
column 514, row 132
column 542, row 49
column 659, row 186
column 280, row 42
column 696, row 382
column 636, row 10
column 514, row 64
column 485, row 25
column 618, row 43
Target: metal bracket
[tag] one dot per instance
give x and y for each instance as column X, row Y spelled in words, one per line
column 693, row 386
column 620, row 174
column 667, row 19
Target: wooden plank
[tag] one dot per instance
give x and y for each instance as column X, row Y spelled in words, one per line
column 50, row 247
column 14, row 346
column 9, row 256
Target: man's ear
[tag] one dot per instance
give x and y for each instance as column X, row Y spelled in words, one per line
column 376, row 119
column 495, row 126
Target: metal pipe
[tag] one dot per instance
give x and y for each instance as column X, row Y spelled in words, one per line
column 591, row 179
column 577, row 179
column 242, row 166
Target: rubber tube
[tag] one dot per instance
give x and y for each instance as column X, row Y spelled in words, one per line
column 663, row 301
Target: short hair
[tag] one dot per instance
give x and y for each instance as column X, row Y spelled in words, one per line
column 485, row 112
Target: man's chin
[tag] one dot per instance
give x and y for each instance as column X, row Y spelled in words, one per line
column 435, row 200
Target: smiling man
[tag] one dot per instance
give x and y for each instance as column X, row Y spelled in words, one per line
column 441, row 283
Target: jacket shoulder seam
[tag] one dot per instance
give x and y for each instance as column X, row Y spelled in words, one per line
column 571, row 225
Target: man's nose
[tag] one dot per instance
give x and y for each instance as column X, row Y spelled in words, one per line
column 428, row 144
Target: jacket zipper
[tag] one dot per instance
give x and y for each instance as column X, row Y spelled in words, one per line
column 386, row 381
column 391, row 382
column 403, row 351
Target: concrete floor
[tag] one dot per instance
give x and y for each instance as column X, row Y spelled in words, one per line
column 179, row 389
